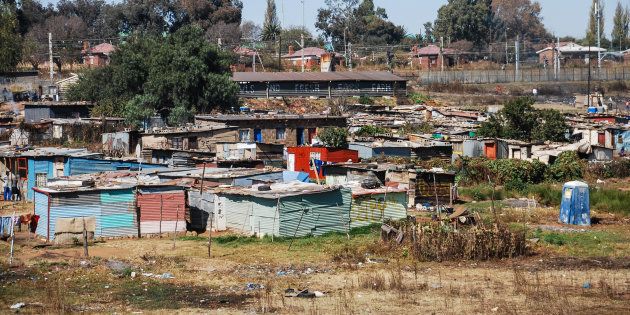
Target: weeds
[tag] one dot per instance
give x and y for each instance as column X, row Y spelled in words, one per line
column 435, row 244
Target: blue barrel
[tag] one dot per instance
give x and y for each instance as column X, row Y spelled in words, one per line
column 592, row 110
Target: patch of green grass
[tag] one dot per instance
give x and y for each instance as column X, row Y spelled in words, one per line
column 610, row 200
column 588, row 244
column 193, row 238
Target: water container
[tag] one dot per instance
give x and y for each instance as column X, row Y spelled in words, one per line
column 592, row 110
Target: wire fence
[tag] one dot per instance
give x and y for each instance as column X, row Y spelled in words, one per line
column 524, row 75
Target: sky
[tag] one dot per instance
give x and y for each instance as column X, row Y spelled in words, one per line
column 561, row 17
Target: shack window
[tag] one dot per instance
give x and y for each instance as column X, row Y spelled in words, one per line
column 41, row 179
column 177, row 143
column 192, row 143
column 243, row 135
column 281, row 133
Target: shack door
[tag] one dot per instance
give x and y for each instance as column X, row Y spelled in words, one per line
column 601, row 138
column 312, row 133
column 257, row 135
column 299, row 132
column 490, row 151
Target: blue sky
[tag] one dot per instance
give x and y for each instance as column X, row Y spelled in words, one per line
column 562, row 17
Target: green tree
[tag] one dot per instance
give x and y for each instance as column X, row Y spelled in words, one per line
column 271, row 26
column 175, row 76
column 550, row 126
column 620, row 27
column 591, row 32
column 357, row 23
column 471, row 20
column 10, row 43
column 520, row 18
column 334, row 137
column 521, row 121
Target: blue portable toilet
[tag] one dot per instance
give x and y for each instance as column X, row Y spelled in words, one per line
column 575, row 207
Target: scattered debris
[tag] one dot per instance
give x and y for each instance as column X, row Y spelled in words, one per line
column 166, row 275
column 85, row 263
column 586, row 285
column 303, row 293
column 253, row 286
column 117, row 265
column 388, row 232
column 18, row 306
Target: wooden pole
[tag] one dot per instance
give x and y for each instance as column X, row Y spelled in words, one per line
column 437, row 200
column 12, row 233
column 175, row 232
column 494, row 213
column 296, row 229
column 315, row 170
column 85, row 240
column 210, row 235
column 160, row 228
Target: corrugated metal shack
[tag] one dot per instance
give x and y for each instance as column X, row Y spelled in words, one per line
column 113, row 208
column 297, row 209
column 319, row 84
column 162, row 209
column 426, row 184
column 371, row 206
column 79, row 166
column 38, row 111
column 203, row 209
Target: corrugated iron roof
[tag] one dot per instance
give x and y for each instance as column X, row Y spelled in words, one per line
column 315, row 76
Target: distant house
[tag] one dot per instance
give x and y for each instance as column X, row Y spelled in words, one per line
column 98, row 55
column 568, row 51
column 246, row 58
column 429, row 57
column 312, row 57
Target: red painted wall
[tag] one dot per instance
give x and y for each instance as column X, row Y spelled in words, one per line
column 149, row 205
column 303, row 157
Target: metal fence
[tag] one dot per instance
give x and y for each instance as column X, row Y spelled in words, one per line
column 524, row 75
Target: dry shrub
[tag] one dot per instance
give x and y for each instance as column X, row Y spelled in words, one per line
column 57, row 293
column 436, row 244
column 265, row 299
column 373, row 281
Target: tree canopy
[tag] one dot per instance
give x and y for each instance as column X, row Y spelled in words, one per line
column 591, row 31
column 520, row 18
column 470, row 20
column 621, row 23
column 10, row 41
column 271, row 27
column 174, row 76
column 357, row 23
column 521, row 121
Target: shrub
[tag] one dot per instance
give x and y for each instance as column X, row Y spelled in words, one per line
column 334, row 137
column 366, row 100
column 418, row 98
column 568, row 166
column 370, row 131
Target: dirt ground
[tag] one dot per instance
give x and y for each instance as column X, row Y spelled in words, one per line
column 356, row 275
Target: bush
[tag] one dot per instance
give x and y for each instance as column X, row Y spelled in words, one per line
column 568, row 166
column 334, row 137
column 418, row 98
column 366, row 100
column 370, row 131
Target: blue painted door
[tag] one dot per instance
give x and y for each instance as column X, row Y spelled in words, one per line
column 258, row 135
column 300, row 136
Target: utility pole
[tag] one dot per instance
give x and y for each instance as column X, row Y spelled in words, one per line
column 442, row 53
column 302, row 36
column 50, row 59
column 599, row 38
column 350, row 59
column 556, row 60
column 507, row 57
column 302, row 44
column 279, row 52
column 518, row 57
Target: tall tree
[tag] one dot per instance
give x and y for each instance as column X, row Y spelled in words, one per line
column 620, row 27
column 357, row 23
column 9, row 37
column 471, row 20
column 174, row 76
column 428, row 33
column 520, row 18
column 271, row 26
column 591, row 32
